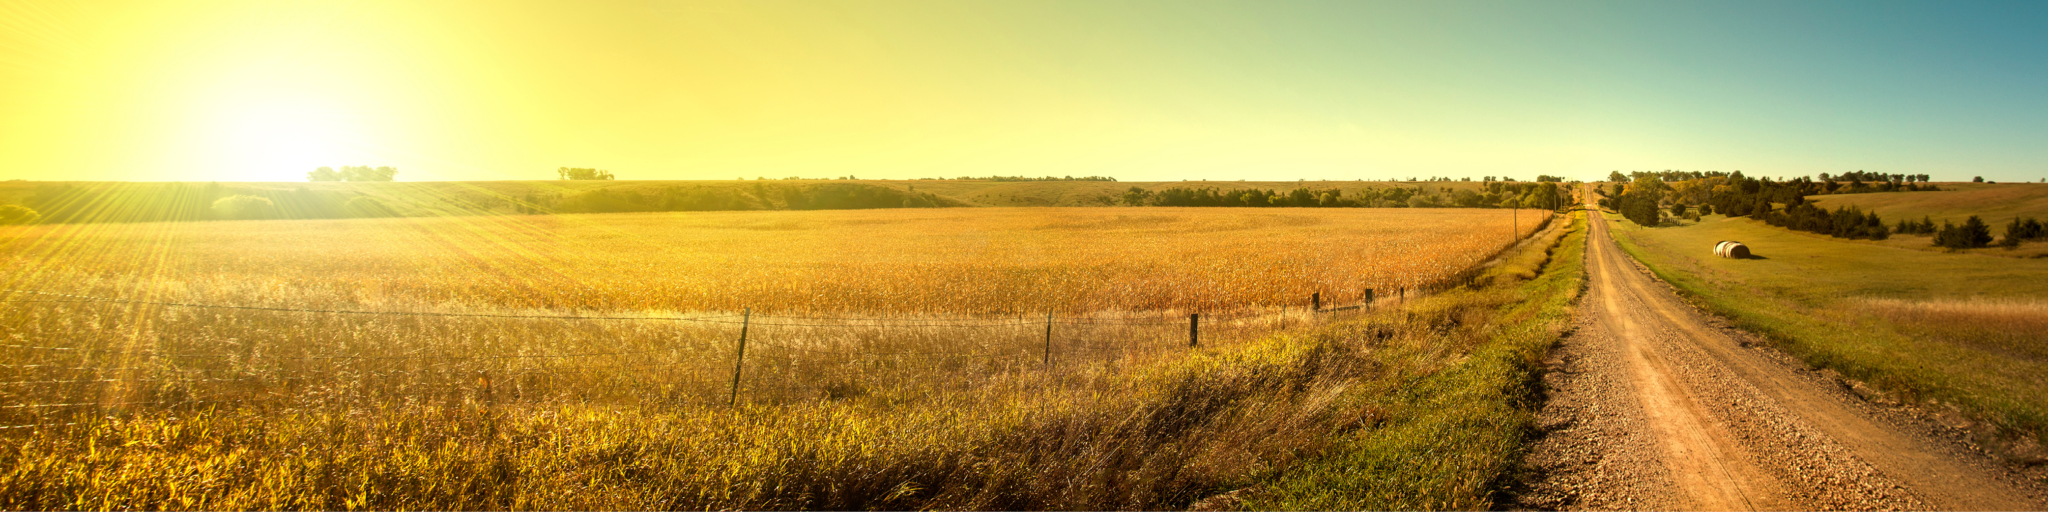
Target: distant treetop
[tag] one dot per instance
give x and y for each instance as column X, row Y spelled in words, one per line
column 578, row 173
column 353, row 173
column 1026, row 178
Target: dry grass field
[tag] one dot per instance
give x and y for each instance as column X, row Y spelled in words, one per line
column 896, row 359
column 928, row 262
column 1995, row 202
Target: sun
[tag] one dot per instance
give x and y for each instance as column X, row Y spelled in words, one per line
column 281, row 137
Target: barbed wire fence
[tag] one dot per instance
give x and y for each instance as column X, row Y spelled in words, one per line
column 777, row 359
column 725, row 359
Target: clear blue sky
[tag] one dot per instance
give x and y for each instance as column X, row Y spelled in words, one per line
column 264, row 90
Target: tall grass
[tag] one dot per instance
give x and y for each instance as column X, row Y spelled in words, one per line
column 267, row 409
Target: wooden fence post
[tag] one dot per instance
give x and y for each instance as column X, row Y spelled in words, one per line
column 746, row 318
column 1194, row 329
column 1048, row 339
column 1315, row 300
column 1368, row 298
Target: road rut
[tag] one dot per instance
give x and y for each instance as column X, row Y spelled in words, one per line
column 1652, row 406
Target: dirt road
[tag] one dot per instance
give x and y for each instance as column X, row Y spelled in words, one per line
column 1653, row 406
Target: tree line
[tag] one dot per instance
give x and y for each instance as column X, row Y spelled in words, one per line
column 1028, row 178
column 353, row 173
column 1491, row 195
column 759, row 195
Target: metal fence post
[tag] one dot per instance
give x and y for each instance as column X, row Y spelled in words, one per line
column 1194, row 329
column 1048, row 339
column 746, row 318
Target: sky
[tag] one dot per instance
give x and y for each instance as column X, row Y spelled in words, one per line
column 266, row 90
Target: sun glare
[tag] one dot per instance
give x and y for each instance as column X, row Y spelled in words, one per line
column 282, row 137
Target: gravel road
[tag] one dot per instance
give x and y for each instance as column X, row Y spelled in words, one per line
column 1652, row 405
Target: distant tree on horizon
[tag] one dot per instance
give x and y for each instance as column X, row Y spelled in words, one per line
column 579, row 173
column 353, row 173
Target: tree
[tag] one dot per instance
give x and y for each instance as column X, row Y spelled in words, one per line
column 1617, row 177
column 1136, row 196
column 323, row 174
column 353, row 173
column 579, row 173
column 2013, row 233
column 17, row 214
column 1979, row 179
column 1973, row 233
column 1678, row 209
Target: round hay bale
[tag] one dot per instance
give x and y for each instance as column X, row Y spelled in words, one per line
column 1735, row 250
column 1720, row 247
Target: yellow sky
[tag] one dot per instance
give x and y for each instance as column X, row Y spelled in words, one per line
column 656, row 89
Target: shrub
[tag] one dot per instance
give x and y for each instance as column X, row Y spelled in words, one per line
column 244, row 207
column 17, row 214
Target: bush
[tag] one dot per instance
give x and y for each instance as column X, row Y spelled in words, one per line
column 243, row 207
column 17, row 214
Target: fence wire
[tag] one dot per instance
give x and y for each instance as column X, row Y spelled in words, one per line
column 777, row 348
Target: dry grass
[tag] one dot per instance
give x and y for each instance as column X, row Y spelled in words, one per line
column 929, row 262
column 1996, row 203
column 225, row 408
column 2014, row 327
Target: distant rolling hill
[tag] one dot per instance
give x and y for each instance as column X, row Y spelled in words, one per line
column 1995, row 202
column 182, row 201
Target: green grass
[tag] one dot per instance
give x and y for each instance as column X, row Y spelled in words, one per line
column 1809, row 295
column 1453, row 433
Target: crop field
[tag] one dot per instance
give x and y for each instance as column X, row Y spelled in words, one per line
column 927, row 262
column 392, row 348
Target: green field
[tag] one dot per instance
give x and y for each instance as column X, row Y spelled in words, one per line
column 1960, row 333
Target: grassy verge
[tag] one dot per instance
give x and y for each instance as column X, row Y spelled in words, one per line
column 1455, row 428
column 1422, row 406
column 1909, row 325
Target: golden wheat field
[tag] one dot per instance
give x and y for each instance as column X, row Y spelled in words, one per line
column 387, row 333
column 631, row 308
column 929, row 262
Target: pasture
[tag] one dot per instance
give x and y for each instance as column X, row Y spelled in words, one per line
column 1957, row 333
column 1995, row 202
column 904, row 358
